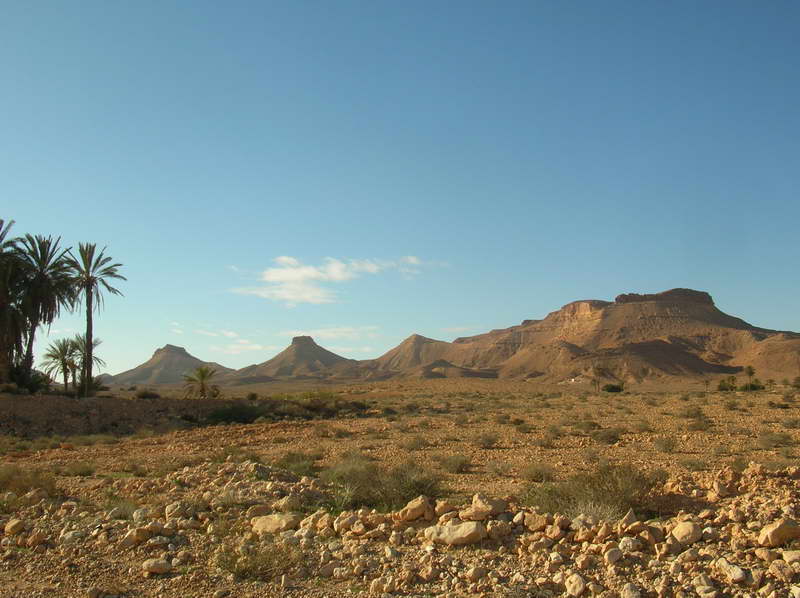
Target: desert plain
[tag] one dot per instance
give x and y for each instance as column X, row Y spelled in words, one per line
column 443, row 487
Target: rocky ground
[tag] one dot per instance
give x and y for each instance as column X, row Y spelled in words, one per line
column 207, row 513
column 207, row 528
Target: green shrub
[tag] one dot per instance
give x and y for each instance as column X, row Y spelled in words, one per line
column 78, row 468
column 265, row 563
column 693, row 464
column 771, row 440
column 699, row 425
column 147, row 394
column 358, row 482
column 455, row 463
column 498, row 468
column 299, row 463
column 607, row 492
column 586, row 425
column 19, row 480
column 538, row 472
column 415, row 443
column 486, row 440
column 665, row 444
column 613, row 387
column 608, row 436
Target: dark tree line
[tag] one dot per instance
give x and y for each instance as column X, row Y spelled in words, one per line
column 38, row 279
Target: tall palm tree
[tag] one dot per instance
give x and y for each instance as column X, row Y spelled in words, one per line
column 199, row 383
column 60, row 359
column 48, row 286
column 91, row 273
column 9, row 266
column 749, row 371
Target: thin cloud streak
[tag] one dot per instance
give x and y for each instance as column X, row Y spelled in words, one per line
column 292, row 282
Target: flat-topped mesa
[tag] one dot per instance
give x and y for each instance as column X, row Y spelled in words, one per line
column 303, row 340
column 673, row 295
column 171, row 349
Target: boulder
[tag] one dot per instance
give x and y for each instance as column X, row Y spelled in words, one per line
column 687, row 532
column 482, row 508
column 278, row 522
column 14, row 527
column 156, row 566
column 779, row 532
column 419, row 508
column 469, row 532
column 575, row 585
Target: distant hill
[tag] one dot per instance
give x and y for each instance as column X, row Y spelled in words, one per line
column 679, row 333
column 302, row 359
column 167, row 366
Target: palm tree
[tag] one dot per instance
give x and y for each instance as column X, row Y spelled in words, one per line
column 749, row 371
column 79, row 354
column 9, row 271
column 60, row 359
column 48, row 286
column 91, row 273
column 198, row 383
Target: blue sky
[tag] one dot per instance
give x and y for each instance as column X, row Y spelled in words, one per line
column 365, row 170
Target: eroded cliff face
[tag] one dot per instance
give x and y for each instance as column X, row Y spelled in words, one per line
column 679, row 332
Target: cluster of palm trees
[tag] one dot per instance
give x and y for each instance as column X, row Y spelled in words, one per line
column 39, row 279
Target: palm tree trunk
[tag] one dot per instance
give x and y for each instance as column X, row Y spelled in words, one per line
column 87, row 366
column 5, row 353
column 5, row 336
column 65, row 373
column 28, row 362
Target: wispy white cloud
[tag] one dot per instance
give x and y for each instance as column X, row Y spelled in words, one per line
column 228, row 333
column 291, row 282
column 233, row 268
column 205, row 332
column 336, row 332
column 242, row 345
column 176, row 330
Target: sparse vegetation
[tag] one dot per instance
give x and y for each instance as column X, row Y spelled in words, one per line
column 455, row 463
column 266, row 563
column 359, row 482
column 606, row 492
column 538, row 472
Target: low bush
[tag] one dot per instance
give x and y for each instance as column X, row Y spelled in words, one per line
column 498, row 468
column 665, row 444
column 414, row 443
column 538, row 472
column 455, row 463
column 693, row 464
column 299, row 463
column 608, row 436
column 147, row 394
column 606, row 492
column 486, row 440
column 358, row 482
column 613, row 388
column 19, row 480
column 265, row 563
column 78, row 468
column 771, row 440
